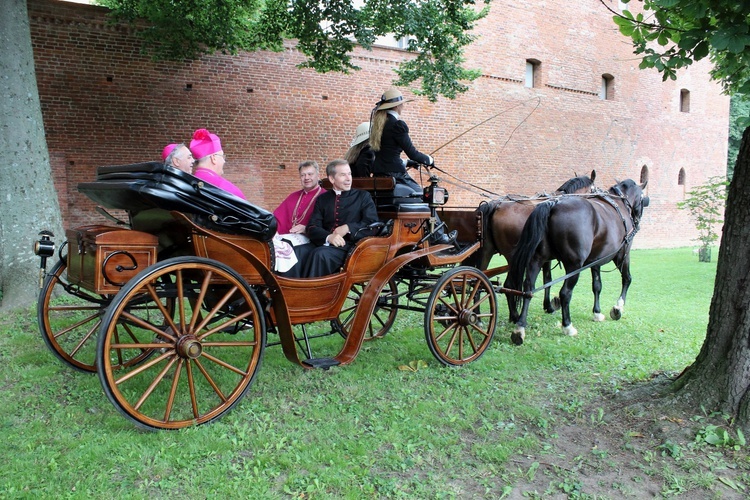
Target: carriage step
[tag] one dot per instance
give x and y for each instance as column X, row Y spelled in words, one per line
column 324, row 363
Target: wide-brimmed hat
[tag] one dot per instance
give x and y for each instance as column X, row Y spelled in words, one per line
column 204, row 143
column 361, row 134
column 390, row 99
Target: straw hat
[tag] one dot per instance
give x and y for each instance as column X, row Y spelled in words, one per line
column 390, row 99
column 362, row 134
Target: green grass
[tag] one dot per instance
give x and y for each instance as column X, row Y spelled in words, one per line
column 359, row 431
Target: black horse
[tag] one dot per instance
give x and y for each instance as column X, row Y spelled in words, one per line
column 504, row 219
column 578, row 231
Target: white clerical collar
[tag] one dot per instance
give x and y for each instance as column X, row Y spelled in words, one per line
column 337, row 192
column 391, row 112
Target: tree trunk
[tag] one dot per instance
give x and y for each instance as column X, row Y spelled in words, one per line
column 28, row 201
column 720, row 376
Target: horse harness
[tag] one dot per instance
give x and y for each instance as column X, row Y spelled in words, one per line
column 629, row 235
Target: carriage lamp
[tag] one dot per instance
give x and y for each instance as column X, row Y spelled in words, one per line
column 434, row 195
column 44, row 248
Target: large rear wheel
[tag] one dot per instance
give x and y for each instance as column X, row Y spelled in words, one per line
column 461, row 316
column 205, row 329
column 69, row 319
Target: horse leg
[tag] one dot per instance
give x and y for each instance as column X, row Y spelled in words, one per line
column 566, row 293
column 550, row 306
column 512, row 304
column 519, row 334
column 617, row 310
column 596, row 287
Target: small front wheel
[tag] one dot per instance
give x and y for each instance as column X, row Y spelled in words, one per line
column 382, row 317
column 461, row 316
column 205, row 330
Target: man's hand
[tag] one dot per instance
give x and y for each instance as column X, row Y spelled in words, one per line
column 342, row 230
column 336, row 240
column 298, row 229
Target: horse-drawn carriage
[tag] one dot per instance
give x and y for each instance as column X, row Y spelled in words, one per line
column 174, row 307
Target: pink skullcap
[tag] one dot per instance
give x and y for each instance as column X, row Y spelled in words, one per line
column 167, row 149
column 204, row 143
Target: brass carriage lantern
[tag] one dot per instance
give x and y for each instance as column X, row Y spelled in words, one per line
column 44, row 248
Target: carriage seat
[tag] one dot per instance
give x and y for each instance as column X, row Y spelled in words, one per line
column 144, row 186
column 385, row 192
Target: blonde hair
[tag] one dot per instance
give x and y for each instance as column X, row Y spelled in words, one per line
column 376, row 130
column 353, row 153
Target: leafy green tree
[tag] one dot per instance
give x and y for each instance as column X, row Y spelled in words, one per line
column 326, row 32
column 739, row 111
column 670, row 35
column 706, row 206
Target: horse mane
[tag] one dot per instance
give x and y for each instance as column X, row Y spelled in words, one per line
column 575, row 184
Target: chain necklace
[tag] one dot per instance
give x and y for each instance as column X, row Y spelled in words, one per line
column 297, row 219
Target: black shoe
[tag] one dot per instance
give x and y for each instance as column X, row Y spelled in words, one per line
column 446, row 239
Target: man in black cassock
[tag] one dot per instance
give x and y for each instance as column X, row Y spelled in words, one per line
column 340, row 219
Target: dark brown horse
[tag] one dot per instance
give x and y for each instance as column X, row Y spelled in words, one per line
column 578, row 231
column 504, row 219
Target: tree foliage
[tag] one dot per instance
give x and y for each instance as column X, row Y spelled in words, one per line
column 706, row 206
column 671, row 34
column 739, row 110
column 326, row 32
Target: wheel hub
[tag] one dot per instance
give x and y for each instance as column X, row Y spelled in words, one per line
column 189, row 347
column 467, row 317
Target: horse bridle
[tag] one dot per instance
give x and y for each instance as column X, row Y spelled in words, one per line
column 636, row 219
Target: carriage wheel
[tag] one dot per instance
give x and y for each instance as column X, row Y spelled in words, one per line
column 69, row 322
column 205, row 328
column 382, row 317
column 461, row 316
column 69, row 318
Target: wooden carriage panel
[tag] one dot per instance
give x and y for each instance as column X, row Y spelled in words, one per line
column 366, row 258
column 468, row 223
column 407, row 226
column 103, row 258
column 217, row 247
column 313, row 300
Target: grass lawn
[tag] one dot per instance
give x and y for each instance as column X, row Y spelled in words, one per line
column 371, row 430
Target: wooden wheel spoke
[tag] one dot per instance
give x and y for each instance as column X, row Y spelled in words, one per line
column 75, row 325
column 74, row 308
column 160, row 306
column 199, row 301
column 224, row 325
column 143, row 367
column 154, row 383
column 173, row 390
column 146, row 325
column 191, row 386
column 210, row 380
column 85, row 338
column 219, row 304
column 224, row 364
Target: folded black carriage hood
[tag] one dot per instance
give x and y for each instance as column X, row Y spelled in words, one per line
column 145, row 186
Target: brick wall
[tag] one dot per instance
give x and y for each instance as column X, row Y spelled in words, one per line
column 104, row 103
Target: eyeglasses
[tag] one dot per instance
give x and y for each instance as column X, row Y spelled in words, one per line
column 223, row 155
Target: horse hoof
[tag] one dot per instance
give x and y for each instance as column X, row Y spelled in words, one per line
column 615, row 313
column 598, row 317
column 556, row 303
column 517, row 336
column 570, row 331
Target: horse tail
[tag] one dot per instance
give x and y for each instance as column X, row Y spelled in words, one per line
column 531, row 236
